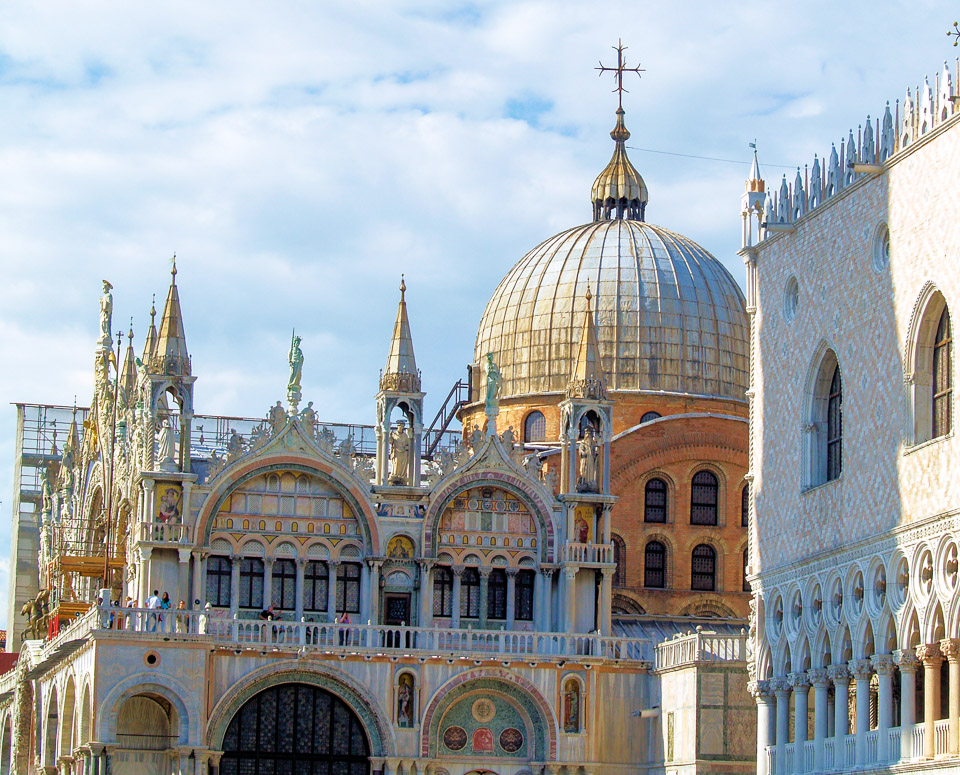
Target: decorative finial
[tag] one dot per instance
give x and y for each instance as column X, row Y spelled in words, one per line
column 173, row 261
column 403, row 287
column 130, row 333
column 619, row 70
column 589, row 295
column 153, row 307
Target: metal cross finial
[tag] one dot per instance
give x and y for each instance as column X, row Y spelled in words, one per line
column 619, row 70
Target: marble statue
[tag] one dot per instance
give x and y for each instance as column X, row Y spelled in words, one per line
column 166, row 441
column 276, row 416
column 106, row 318
column 46, row 499
column 295, row 359
column 309, row 419
column 494, row 383
column 588, row 450
column 399, row 454
column 234, row 445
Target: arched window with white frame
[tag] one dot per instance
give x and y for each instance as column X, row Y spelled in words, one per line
column 823, row 424
column 930, row 367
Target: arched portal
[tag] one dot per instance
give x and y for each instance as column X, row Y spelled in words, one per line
column 293, row 725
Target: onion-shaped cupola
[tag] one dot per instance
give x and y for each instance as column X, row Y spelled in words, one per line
column 619, row 192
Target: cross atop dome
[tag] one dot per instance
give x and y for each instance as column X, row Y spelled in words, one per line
column 619, row 70
column 619, row 191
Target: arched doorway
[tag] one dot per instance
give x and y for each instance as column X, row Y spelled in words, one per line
column 295, row 728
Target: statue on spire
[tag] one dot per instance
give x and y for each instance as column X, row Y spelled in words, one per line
column 105, row 342
column 295, row 359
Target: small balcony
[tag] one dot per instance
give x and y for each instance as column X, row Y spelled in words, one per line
column 587, row 554
column 160, row 533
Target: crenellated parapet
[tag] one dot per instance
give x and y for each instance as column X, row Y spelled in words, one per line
column 855, row 157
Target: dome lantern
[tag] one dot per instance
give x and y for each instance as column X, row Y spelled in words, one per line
column 619, row 192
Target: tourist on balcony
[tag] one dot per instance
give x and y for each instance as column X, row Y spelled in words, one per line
column 153, row 603
column 182, row 620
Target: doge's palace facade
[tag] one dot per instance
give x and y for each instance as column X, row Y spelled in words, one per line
column 853, row 281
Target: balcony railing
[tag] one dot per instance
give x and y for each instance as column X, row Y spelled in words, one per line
column 164, row 533
column 843, row 758
column 587, row 553
column 701, row 647
column 256, row 633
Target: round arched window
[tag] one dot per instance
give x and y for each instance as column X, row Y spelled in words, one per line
column 535, row 427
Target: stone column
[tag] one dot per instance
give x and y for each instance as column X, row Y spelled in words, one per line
column 512, row 597
column 374, row 610
column 365, row 593
column 801, row 685
column 546, row 588
column 781, row 688
column 861, row 670
column 144, row 575
column 763, row 695
column 907, row 661
column 606, row 601
column 197, row 592
column 426, row 594
column 455, row 608
column 301, row 572
column 883, row 667
column 183, row 580
column 484, row 588
column 821, row 690
column 234, row 584
column 267, row 582
column 950, row 648
column 930, row 655
column 332, row 566
column 568, row 599
column 841, row 718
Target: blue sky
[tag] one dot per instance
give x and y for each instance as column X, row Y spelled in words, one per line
column 299, row 156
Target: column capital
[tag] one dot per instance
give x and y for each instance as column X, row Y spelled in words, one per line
column 798, row 680
column 512, row 572
column 608, row 571
column 861, row 669
column 546, row 572
column 570, row 571
column 334, row 563
column 838, row 674
column 236, row 557
column 950, row 648
column 302, row 562
column 760, row 689
column 906, row 660
column 426, row 564
column 929, row 654
column 485, row 571
column 780, row 686
column 458, row 569
column 882, row 664
column 375, row 563
column 183, row 554
column 819, row 678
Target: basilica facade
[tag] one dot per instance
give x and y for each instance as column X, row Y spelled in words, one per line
column 558, row 588
column 851, row 289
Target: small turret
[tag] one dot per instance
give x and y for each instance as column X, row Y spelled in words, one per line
column 170, row 355
column 400, row 371
column 752, row 202
column 399, row 449
column 128, row 374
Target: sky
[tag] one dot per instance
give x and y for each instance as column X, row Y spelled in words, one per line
column 299, row 156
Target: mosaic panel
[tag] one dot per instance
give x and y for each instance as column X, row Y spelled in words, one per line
column 487, row 517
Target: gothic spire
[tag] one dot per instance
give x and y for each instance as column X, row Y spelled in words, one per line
column 400, row 372
column 588, row 379
column 150, row 343
column 170, row 355
column 128, row 375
